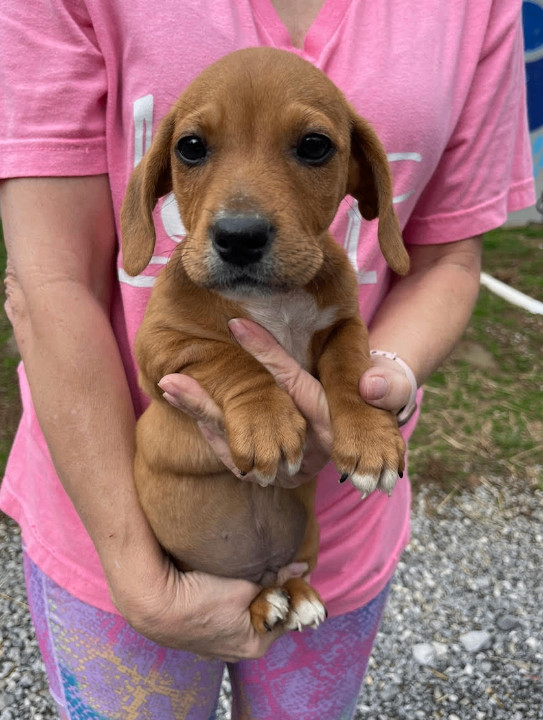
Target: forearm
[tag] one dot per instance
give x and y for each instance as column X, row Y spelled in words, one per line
column 425, row 313
column 84, row 408
column 61, row 249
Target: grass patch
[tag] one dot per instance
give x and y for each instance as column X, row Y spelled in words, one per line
column 483, row 409
column 515, row 256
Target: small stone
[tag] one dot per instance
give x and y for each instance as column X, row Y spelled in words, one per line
column 441, row 649
column 390, row 691
column 424, row 653
column 507, row 622
column 475, row 641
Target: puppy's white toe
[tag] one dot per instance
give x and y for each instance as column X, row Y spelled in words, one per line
column 364, row 483
column 294, row 467
column 307, row 613
column 387, row 481
column 278, row 606
column 263, row 480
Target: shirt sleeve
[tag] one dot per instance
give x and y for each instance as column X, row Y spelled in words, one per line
column 53, row 89
column 486, row 169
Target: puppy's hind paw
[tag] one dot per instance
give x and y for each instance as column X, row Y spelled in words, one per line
column 306, row 606
column 309, row 612
column 270, row 607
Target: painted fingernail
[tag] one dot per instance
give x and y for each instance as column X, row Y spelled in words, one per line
column 343, row 477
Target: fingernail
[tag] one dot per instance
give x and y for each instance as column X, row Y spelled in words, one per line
column 238, row 329
column 173, row 400
column 166, row 385
column 376, row 387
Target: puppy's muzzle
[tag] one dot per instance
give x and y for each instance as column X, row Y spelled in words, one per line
column 242, row 240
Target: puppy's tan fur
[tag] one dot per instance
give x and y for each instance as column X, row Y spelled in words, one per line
column 252, row 109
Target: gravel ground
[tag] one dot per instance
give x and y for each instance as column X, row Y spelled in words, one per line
column 462, row 637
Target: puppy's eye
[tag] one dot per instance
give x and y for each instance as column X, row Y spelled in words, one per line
column 191, row 150
column 314, row 149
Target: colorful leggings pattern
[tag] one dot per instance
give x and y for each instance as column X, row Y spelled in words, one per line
column 99, row 668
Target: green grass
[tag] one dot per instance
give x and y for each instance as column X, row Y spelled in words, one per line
column 515, row 256
column 483, row 409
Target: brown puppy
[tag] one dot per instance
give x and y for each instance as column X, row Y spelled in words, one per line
column 259, row 151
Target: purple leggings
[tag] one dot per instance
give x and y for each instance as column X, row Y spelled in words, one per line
column 99, row 668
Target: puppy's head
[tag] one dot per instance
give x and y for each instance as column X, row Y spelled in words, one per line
column 259, row 152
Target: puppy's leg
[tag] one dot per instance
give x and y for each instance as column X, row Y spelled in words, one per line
column 294, row 601
column 367, row 444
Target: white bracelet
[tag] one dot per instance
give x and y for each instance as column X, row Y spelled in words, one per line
column 407, row 411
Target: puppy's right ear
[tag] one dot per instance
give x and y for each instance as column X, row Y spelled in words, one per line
column 150, row 180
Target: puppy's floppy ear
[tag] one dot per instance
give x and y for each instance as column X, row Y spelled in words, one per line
column 370, row 182
column 150, row 180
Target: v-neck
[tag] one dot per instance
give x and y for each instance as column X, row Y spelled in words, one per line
column 317, row 37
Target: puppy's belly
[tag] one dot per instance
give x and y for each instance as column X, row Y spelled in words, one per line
column 223, row 526
column 201, row 514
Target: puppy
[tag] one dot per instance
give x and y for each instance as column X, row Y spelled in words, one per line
column 259, row 152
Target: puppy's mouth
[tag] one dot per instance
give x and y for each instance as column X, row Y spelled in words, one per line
column 246, row 281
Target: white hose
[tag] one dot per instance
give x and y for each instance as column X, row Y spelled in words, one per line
column 511, row 295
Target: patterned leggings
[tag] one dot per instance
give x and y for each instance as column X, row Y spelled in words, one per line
column 99, row 668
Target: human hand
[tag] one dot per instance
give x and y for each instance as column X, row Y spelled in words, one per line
column 306, row 392
column 192, row 611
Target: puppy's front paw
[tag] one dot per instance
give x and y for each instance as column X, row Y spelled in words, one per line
column 368, row 448
column 265, row 432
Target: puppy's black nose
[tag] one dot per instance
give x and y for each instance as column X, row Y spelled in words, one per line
column 241, row 239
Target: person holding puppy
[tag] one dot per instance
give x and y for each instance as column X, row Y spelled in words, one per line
column 122, row 632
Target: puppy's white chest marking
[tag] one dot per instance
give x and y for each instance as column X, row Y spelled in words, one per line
column 292, row 318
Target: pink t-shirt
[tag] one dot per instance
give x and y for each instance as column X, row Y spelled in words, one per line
column 84, row 84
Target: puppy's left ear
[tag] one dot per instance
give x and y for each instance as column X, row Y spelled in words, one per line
column 150, row 180
column 370, row 182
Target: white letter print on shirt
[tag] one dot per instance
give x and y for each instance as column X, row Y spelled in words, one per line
column 352, row 235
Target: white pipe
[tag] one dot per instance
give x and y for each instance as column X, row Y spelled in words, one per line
column 511, row 295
